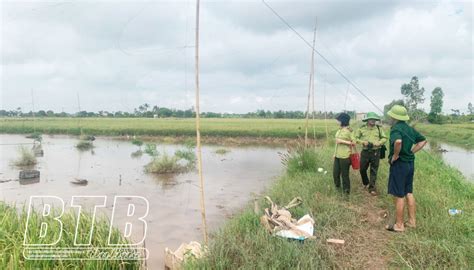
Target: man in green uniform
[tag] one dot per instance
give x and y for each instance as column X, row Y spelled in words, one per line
column 405, row 141
column 371, row 137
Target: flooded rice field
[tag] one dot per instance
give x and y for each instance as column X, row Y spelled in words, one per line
column 111, row 168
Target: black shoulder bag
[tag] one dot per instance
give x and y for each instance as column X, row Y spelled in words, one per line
column 383, row 148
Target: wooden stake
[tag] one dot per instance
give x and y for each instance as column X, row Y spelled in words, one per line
column 198, row 134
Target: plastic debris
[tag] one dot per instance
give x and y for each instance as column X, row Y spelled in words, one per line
column 174, row 260
column 278, row 221
column 454, row 211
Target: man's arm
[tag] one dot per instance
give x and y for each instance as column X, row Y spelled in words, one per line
column 418, row 146
column 397, row 147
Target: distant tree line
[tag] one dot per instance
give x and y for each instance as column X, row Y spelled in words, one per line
column 412, row 92
column 146, row 111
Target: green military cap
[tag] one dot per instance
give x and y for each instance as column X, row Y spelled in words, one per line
column 371, row 115
column 399, row 112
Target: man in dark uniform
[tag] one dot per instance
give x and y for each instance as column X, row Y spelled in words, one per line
column 372, row 137
column 405, row 141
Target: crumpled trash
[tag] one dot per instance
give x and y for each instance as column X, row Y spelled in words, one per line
column 454, row 211
column 278, row 221
column 174, row 260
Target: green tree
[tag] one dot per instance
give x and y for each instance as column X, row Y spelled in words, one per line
column 413, row 94
column 387, row 107
column 470, row 109
column 436, row 101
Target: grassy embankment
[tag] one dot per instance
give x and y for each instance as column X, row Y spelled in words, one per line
column 440, row 241
column 459, row 134
column 12, row 228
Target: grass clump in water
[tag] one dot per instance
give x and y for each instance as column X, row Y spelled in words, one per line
column 150, row 149
column 164, row 163
column 137, row 142
column 27, row 157
column 183, row 160
column 36, row 136
column 222, row 151
column 84, row 145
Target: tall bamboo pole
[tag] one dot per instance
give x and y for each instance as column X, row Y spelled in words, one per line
column 198, row 134
column 311, row 78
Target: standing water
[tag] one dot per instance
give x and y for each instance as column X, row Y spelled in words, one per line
column 111, row 169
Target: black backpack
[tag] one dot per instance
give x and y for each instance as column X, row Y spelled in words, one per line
column 383, row 148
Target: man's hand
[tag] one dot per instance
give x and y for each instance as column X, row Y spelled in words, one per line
column 394, row 158
column 376, row 144
column 365, row 143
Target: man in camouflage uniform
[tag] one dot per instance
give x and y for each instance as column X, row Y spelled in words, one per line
column 371, row 137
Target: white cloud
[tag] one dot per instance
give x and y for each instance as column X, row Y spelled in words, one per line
column 129, row 53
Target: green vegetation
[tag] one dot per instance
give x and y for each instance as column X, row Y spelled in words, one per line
column 280, row 128
column 165, row 163
column 222, row 151
column 150, row 149
column 183, row 160
column 84, row 145
column 440, row 241
column 138, row 143
column 12, row 228
column 460, row 134
column 36, row 136
column 27, row 157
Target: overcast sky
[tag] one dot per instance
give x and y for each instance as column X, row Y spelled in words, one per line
column 117, row 55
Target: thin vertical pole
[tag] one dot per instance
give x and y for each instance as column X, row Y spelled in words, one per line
column 311, row 78
column 33, row 104
column 198, row 133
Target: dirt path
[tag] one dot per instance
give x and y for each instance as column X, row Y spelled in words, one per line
column 367, row 246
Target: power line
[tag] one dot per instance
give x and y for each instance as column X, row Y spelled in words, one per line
column 332, row 66
column 323, row 57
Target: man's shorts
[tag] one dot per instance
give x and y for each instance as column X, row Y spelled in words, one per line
column 400, row 180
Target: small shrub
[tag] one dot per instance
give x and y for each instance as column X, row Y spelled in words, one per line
column 27, row 157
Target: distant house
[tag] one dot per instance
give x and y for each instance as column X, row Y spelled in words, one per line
column 360, row 116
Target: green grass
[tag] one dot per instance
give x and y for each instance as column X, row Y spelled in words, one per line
column 281, row 128
column 440, row 241
column 12, row 228
column 27, row 157
column 460, row 134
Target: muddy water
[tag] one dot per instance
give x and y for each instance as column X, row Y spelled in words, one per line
column 457, row 157
column 174, row 213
